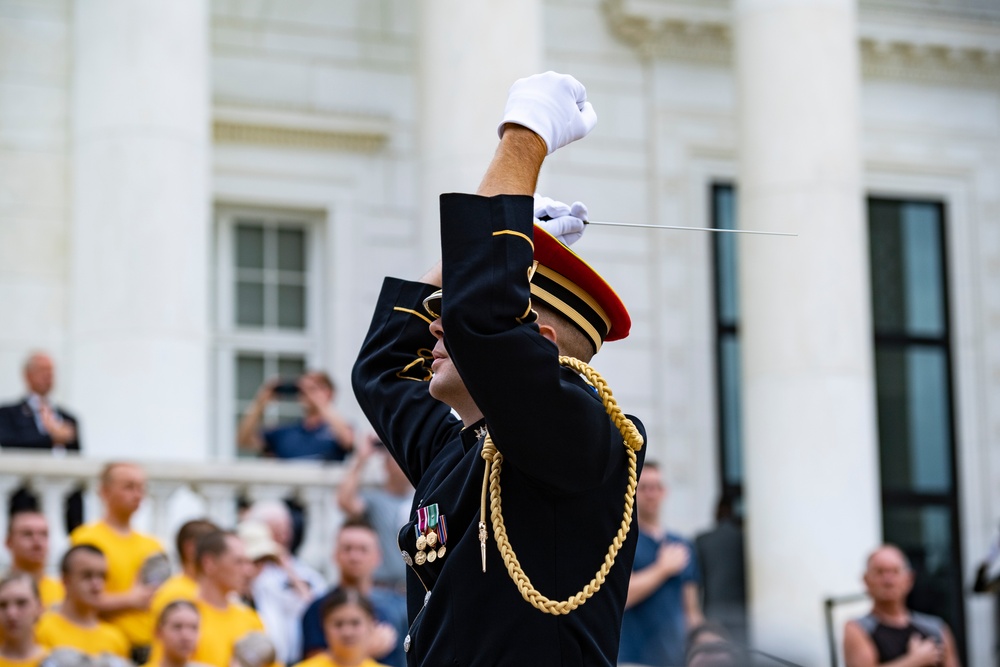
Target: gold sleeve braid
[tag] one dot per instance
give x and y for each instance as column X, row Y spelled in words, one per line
column 633, row 442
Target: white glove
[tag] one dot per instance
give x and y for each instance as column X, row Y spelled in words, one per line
column 553, row 106
column 566, row 223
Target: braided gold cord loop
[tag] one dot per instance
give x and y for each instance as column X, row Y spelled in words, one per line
column 633, row 442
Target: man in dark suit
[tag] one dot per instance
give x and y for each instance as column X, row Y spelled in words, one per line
column 36, row 423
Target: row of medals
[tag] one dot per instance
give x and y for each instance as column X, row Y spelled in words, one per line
column 428, row 541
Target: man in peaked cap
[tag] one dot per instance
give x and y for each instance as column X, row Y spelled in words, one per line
column 481, row 334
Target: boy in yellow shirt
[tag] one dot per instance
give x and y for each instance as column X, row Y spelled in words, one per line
column 349, row 625
column 19, row 611
column 176, row 634
column 28, row 544
column 126, row 600
column 75, row 623
column 184, row 584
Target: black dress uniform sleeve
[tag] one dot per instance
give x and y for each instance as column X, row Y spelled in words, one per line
column 543, row 418
column 390, row 379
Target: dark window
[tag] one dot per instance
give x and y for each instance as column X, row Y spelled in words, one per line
column 913, row 387
column 727, row 344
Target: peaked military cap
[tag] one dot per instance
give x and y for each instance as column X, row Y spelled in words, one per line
column 567, row 284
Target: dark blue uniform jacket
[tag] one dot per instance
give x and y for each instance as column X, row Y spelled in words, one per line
column 564, row 471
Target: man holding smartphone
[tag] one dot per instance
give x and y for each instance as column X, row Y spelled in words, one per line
column 321, row 434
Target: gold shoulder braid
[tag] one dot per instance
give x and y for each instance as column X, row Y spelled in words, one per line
column 633, row 442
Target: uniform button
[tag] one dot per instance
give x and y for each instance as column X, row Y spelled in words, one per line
column 406, row 558
column 427, row 598
column 406, row 644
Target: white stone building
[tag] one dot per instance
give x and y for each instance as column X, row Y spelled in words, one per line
column 197, row 194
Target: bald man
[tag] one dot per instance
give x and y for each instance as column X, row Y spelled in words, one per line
column 35, row 422
column 127, row 597
column 891, row 634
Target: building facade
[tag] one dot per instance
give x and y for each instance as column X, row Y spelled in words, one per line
column 196, row 196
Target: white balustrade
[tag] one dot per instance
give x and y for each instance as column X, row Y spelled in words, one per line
column 181, row 491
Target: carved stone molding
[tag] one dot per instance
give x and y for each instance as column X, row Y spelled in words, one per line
column 671, row 30
column 893, row 44
column 929, row 62
column 292, row 129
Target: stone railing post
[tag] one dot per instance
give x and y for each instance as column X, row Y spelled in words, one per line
column 220, row 502
column 158, row 498
column 317, row 543
column 52, row 493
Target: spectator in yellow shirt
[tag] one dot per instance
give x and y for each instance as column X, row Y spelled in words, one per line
column 28, row 544
column 176, row 634
column 348, row 624
column 184, row 584
column 20, row 608
column 126, row 600
column 75, row 623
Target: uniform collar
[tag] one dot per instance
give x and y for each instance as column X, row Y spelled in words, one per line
column 473, row 434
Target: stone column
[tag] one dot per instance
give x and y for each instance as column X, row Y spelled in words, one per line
column 220, row 502
column 471, row 51
column 810, row 436
column 141, row 225
column 52, row 492
column 34, row 191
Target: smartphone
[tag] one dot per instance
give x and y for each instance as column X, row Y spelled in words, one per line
column 286, row 388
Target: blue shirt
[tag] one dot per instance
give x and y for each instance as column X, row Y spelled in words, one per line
column 295, row 441
column 654, row 631
column 390, row 607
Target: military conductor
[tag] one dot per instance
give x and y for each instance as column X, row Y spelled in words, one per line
column 481, row 336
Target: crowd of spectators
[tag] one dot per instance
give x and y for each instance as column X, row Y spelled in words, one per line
column 238, row 597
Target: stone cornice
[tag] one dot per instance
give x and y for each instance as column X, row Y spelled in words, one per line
column 678, row 30
column 296, row 129
column 896, row 40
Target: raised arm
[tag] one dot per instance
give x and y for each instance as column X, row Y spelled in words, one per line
column 543, row 418
column 248, row 436
column 349, row 494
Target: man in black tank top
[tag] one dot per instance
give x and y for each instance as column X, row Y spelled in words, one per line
column 891, row 634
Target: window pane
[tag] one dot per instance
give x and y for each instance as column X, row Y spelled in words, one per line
column 729, row 361
column 925, row 536
column 240, row 452
column 250, row 304
column 291, row 306
column 907, row 271
column 291, row 250
column 924, row 273
column 725, row 249
column 249, row 247
column 291, row 367
column 249, row 376
column 888, row 303
column 913, row 414
column 286, row 412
